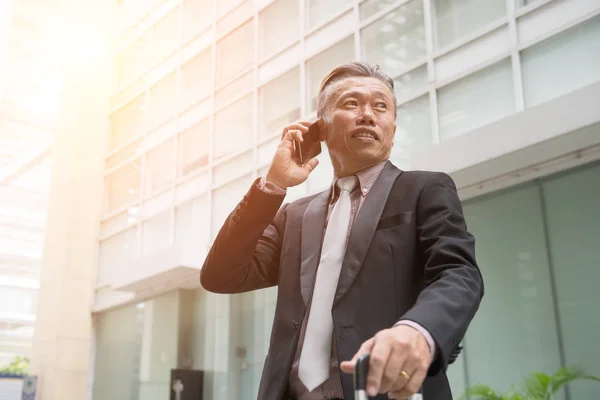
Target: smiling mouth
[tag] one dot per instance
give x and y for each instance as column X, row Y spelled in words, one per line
column 365, row 136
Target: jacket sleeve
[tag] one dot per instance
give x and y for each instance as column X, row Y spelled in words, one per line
column 245, row 254
column 453, row 283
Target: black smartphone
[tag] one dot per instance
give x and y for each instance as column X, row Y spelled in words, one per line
column 311, row 145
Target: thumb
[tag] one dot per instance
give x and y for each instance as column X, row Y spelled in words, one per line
column 348, row 366
column 311, row 165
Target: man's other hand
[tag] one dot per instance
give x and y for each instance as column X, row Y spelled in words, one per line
column 400, row 358
column 285, row 170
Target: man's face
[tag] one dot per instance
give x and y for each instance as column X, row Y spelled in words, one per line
column 359, row 124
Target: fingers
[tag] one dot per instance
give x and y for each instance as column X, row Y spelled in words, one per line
column 301, row 126
column 387, row 360
column 311, row 165
column 411, row 387
column 348, row 366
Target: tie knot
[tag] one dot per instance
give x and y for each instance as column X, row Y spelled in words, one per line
column 347, row 183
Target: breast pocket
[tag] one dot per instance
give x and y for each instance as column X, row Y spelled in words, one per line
column 397, row 219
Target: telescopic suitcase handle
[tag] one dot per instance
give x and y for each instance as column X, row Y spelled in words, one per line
column 361, row 372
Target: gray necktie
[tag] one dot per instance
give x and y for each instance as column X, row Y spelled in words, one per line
column 314, row 366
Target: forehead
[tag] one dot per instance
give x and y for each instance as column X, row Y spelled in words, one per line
column 362, row 85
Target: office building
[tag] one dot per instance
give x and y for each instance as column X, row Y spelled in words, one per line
column 28, row 105
column 157, row 144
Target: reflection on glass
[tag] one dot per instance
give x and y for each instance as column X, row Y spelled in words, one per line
column 136, row 348
column 197, row 15
column 233, row 128
column 413, row 131
column 455, row 19
column 319, row 11
column 160, row 167
column 320, row 65
column 194, row 147
column 196, row 78
column 476, row 100
column 123, row 186
column 279, row 103
column 563, row 63
column 372, row 7
column 397, row 40
column 127, row 123
column 411, row 83
column 279, row 26
column 512, row 255
column 162, row 100
column 235, row 53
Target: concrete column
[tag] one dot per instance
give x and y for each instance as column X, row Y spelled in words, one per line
column 63, row 332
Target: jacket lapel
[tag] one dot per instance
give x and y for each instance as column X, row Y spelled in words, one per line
column 313, row 223
column 364, row 228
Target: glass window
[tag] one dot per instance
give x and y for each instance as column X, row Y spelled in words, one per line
column 156, row 232
column 16, row 300
column 397, row 40
column 279, row 26
column 160, row 167
column 411, row 83
column 233, row 90
column 192, row 224
column 455, row 19
column 512, row 255
column 320, row 65
column 196, row 78
column 133, row 60
column 571, row 202
column 197, row 15
column 233, row 128
column 371, row 7
column 123, row 186
column 132, row 150
column 413, row 130
column 225, row 199
column 114, row 254
column 165, row 36
column 279, row 103
column 235, row 53
column 136, row 348
column 561, row 64
column 194, row 147
column 224, row 6
column 162, row 101
column 476, row 100
column 127, row 123
column 319, row 11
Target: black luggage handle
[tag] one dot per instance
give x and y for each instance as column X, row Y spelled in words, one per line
column 361, row 372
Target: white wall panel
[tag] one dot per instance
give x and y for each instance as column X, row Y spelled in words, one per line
column 232, row 169
column 192, row 187
column 197, row 44
column 554, row 16
column 159, row 135
column 157, row 203
column 280, row 63
column 472, row 54
column 331, row 33
column 195, row 113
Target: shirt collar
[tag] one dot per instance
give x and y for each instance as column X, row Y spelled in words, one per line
column 366, row 179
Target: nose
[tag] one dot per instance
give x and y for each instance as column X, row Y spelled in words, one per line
column 367, row 117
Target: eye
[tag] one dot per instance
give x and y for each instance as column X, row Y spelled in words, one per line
column 381, row 105
column 351, row 103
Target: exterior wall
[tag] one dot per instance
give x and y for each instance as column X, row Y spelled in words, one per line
column 63, row 340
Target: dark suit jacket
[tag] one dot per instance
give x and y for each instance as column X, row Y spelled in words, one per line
column 409, row 256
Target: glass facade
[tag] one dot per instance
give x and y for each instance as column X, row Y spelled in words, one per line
column 198, row 118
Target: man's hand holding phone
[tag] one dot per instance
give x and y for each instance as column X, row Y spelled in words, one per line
column 290, row 166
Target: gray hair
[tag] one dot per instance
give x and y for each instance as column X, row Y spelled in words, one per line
column 350, row 70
